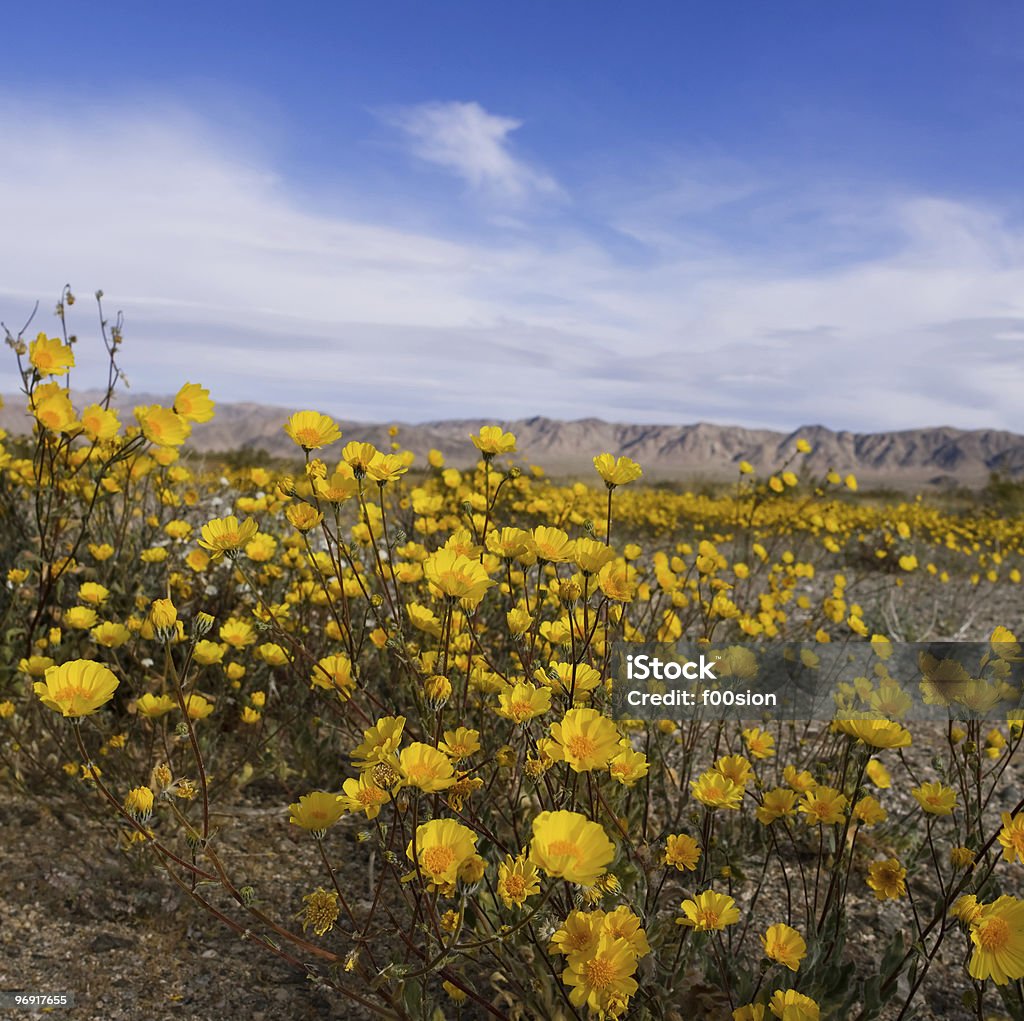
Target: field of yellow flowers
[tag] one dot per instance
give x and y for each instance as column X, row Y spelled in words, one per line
column 415, row 661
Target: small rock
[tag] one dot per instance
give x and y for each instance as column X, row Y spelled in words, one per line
column 108, row 941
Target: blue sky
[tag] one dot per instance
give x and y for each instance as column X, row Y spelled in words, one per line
column 764, row 214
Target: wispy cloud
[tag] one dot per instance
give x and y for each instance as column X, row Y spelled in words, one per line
column 229, row 276
column 473, row 144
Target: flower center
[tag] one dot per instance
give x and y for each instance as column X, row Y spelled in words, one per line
column 581, row 746
column 70, row 692
column 564, row 847
column 437, row 859
column 600, row 974
column 515, row 885
column 994, row 934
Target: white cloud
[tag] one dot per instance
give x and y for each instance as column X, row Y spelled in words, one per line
column 474, row 144
column 229, row 278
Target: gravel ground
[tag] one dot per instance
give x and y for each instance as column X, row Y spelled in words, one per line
column 75, row 917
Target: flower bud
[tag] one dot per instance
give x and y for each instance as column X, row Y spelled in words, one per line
column 138, row 803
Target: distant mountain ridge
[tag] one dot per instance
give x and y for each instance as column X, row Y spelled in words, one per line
column 937, row 456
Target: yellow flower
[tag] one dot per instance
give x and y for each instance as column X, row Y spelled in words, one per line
column 778, row 803
column 628, row 765
column 460, row 744
column 77, row 688
column 334, row 673
column 457, row 576
column 935, row 798
column 49, row 357
column 824, row 806
column 878, row 774
column 997, row 933
column 603, row 979
column 380, row 742
column 456, row 994
column 316, row 812
column 567, row 845
column 226, row 535
column 442, row 847
column 736, row 768
column 193, row 403
column 617, row 580
column 35, row 666
column 715, row 790
column 153, row 706
column 491, row 441
column 312, row 430
column 789, row 1005
column 99, row 423
column 708, row 911
column 623, row 924
column 578, row 934
column 616, row 472
column 339, row 487
column 80, row 617
column 591, row 555
column 510, row 543
column 162, row 426
column 163, row 615
column 800, row 780
column 961, row 857
column 197, row 707
column 886, row 878
column 237, row 632
column 876, row 733
column 587, row 739
column 387, row 468
column 517, row 880
column 749, row 1012
column 53, row 410
column 760, row 744
column 966, row 908
column 206, row 653
column 552, row 545
column 250, row 715
column 138, row 803
column 523, row 702
column 93, row 593
column 424, row 766
column 559, row 676
column 681, row 851
column 303, row 517
column 321, row 911
column 1011, row 836
column 784, row 944
column 869, row 811
column 363, row 795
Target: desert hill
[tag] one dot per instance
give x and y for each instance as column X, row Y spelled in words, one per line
column 936, row 456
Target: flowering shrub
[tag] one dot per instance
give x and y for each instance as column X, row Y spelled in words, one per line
column 421, row 656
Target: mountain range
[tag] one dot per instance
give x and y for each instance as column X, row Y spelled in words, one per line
column 938, row 456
